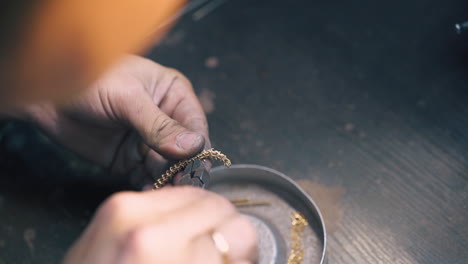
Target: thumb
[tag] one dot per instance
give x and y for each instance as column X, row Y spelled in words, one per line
column 162, row 133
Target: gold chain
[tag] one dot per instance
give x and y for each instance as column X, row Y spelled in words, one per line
column 179, row 166
column 298, row 224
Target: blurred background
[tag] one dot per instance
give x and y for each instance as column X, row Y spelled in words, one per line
column 364, row 103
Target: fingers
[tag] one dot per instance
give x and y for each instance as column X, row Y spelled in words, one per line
column 210, row 213
column 160, row 104
column 168, row 207
column 172, row 92
column 198, row 217
column 141, row 246
column 145, row 245
column 196, row 221
column 162, row 133
column 173, row 225
column 181, row 103
column 141, row 208
column 240, row 238
column 121, row 212
column 240, row 249
column 203, row 251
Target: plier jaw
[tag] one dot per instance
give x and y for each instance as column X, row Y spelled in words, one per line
column 195, row 174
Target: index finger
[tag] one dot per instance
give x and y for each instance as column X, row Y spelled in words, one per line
column 181, row 103
column 172, row 92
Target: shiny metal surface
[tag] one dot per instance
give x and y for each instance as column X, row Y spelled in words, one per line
column 195, row 174
column 273, row 222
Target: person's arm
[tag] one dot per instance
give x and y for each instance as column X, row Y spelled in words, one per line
column 133, row 119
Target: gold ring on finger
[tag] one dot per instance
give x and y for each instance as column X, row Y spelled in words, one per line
column 221, row 245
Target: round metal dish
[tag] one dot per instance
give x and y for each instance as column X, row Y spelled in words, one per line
column 273, row 221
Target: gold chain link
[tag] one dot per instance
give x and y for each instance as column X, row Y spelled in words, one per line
column 179, row 166
column 298, row 224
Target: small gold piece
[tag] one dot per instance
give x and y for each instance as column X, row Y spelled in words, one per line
column 298, row 224
column 179, row 166
column 221, row 245
column 252, row 204
column 239, row 202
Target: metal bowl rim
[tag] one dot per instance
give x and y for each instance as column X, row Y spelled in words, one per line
column 292, row 182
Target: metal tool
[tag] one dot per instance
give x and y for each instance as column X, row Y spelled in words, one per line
column 195, row 174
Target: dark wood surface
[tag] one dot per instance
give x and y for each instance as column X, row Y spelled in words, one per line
column 364, row 103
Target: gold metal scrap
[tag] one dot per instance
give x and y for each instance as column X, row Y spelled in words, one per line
column 179, row 166
column 240, row 202
column 298, row 224
column 252, row 204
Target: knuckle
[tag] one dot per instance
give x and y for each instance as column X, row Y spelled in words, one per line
column 221, row 204
column 161, row 123
column 117, row 207
column 189, row 191
column 162, row 127
column 139, row 241
column 248, row 232
column 182, row 192
column 116, row 92
column 180, row 77
column 198, row 121
column 174, row 72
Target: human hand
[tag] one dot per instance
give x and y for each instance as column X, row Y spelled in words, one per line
column 172, row 225
column 133, row 119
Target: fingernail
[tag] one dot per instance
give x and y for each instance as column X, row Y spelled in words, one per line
column 188, row 140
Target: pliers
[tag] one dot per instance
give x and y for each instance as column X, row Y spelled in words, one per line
column 195, row 174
